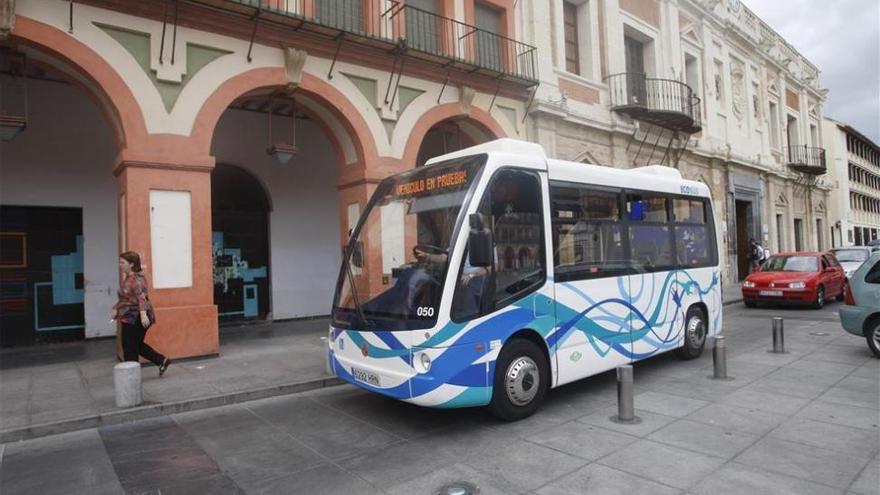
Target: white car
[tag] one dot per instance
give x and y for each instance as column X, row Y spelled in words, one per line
column 851, row 258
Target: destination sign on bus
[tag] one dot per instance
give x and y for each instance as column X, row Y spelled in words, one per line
column 435, row 183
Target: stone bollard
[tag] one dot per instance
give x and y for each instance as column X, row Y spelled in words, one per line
column 719, row 358
column 127, row 382
column 778, row 335
column 625, row 404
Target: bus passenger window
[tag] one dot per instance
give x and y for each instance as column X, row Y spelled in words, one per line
column 587, row 235
column 692, row 240
column 513, row 206
column 650, row 237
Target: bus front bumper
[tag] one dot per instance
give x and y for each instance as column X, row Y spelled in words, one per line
column 455, row 377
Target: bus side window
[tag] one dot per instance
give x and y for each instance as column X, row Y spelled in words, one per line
column 513, row 206
column 650, row 235
column 587, row 233
column 692, row 234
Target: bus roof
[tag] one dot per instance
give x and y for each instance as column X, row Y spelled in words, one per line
column 658, row 178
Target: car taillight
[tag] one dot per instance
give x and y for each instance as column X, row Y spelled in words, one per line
column 848, row 297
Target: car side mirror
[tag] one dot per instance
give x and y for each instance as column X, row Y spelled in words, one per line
column 479, row 242
column 357, row 255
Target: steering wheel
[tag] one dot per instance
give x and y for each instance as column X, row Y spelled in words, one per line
column 429, row 249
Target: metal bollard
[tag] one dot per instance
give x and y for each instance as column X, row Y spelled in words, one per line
column 625, row 406
column 127, row 382
column 719, row 358
column 778, row 335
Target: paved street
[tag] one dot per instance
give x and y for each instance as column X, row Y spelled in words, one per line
column 802, row 422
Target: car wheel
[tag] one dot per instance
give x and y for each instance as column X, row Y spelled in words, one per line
column 522, row 376
column 750, row 303
column 695, row 330
column 820, row 298
column 872, row 334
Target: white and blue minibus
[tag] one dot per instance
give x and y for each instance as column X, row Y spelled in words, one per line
column 494, row 273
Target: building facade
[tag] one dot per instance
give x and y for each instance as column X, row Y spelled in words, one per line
column 702, row 85
column 854, row 167
column 232, row 143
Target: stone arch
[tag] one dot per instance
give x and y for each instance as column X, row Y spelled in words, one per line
column 93, row 74
column 338, row 117
column 477, row 120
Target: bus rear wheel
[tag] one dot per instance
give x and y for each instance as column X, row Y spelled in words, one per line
column 695, row 330
column 522, row 376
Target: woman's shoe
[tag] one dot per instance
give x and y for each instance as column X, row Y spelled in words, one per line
column 164, row 367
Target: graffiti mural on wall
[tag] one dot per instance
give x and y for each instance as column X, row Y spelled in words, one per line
column 232, row 272
column 42, row 284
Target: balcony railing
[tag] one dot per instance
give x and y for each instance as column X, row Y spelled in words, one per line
column 807, row 159
column 664, row 102
column 390, row 24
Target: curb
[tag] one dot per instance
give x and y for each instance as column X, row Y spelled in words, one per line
column 167, row 408
column 161, row 409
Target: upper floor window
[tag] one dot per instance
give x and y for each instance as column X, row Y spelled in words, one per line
column 572, row 38
column 635, row 55
column 488, row 41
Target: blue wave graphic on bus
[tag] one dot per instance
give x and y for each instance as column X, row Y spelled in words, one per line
column 648, row 328
column 605, row 329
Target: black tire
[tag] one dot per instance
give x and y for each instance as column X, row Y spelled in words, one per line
column 750, row 303
column 872, row 335
column 842, row 295
column 696, row 328
column 820, row 298
column 515, row 393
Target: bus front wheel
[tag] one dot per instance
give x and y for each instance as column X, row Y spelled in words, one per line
column 522, row 376
column 695, row 329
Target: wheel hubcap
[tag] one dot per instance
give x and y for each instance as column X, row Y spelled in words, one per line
column 522, row 380
column 876, row 337
column 820, row 296
column 696, row 330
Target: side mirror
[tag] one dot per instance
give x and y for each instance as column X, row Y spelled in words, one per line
column 357, row 255
column 479, row 242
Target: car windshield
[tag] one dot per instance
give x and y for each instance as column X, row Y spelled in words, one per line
column 791, row 264
column 844, row 255
column 399, row 252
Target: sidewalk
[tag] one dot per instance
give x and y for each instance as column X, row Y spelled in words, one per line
column 731, row 293
column 56, row 388
column 63, row 387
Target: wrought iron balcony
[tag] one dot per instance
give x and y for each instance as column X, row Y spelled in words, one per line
column 807, row 159
column 666, row 103
column 400, row 28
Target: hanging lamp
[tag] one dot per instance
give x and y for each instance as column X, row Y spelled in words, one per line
column 281, row 151
column 13, row 94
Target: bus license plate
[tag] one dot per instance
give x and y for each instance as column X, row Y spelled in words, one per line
column 365, row 376
column 770, row 292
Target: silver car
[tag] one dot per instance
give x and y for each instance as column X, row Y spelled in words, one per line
column 851, row 258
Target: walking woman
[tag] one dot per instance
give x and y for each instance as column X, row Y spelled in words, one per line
column 135, row 313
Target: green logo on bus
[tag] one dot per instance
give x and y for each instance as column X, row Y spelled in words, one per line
column 575, row 356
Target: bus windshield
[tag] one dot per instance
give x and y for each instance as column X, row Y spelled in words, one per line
column 398, row 255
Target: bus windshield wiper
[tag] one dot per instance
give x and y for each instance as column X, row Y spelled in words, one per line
column 354, row 294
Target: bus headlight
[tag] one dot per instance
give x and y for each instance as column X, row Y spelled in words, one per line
column 422, row 362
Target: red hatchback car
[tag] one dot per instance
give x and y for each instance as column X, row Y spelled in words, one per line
column 800, row 278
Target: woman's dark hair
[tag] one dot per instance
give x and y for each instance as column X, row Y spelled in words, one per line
column 133, row 258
